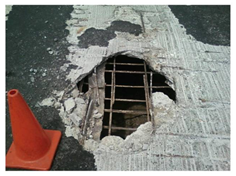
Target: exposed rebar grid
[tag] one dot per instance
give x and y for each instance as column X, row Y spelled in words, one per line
column 147, row 89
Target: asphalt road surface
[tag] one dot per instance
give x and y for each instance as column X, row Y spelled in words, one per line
column 36, row 47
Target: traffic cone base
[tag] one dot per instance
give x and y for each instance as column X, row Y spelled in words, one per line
column 43, row 163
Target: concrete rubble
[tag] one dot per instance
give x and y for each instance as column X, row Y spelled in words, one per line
column 192, row 133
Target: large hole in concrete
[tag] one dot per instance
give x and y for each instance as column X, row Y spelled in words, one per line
column 127, row 94
column 118, row 97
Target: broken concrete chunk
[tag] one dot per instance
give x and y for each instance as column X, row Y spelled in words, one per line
column 50, row 52
column 64, row 67
column 75, row 119
column 80, row 110
column 79, row 101
column 57, row 105
column 62, row 113
column 71, row 131
column 58, row 94
column 97, row 116
column 32, row 79
column 67, row 121
column 75, row 93
column 69, row 104
column 48, row 102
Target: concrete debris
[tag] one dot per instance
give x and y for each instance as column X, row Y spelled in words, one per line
column 57, row 105
column 69, row 104
column 44, row 74
column 32, row 79
column 80, row 110
column 75, row 93
column 48, row 102
column 97, row 116
column 51, row 51
column 75, row 119
column 72, row 132
column 79, row 100
column 58, row 94
column 64, row 67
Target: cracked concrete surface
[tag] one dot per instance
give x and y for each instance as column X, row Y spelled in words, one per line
column 193, row 133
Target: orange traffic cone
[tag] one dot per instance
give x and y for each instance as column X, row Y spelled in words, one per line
column 32, row 147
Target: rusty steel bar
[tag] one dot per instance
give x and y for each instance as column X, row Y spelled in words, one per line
column 112, row 96
column 129, row 86
column 114, row 82
column 125, row 86
column 120, row 128
column 134, row 64
column 126, row 71
column 126, row 100
column 126, row 111
column 147, row 107
column 150, row 101
column 146, row 91
column 89, row 108
column 151, row 83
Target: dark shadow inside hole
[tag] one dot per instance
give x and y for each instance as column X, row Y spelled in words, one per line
column 83, row 85
column 160, row 80
column 125, row 59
